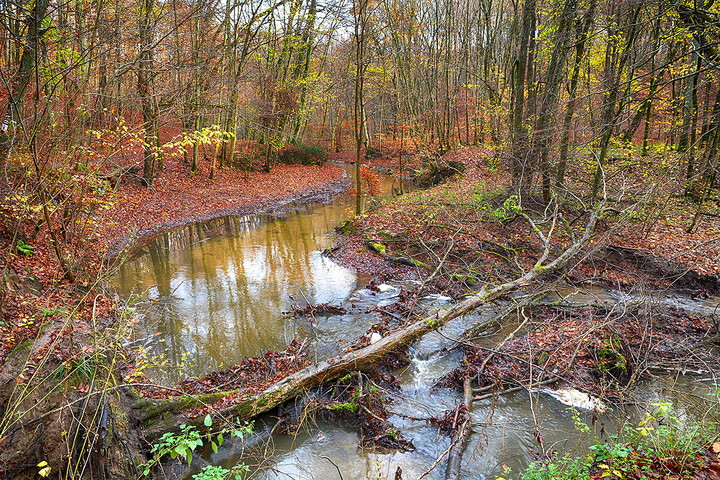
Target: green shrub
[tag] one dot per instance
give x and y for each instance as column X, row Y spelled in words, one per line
column 302, row 154
column 559, row 468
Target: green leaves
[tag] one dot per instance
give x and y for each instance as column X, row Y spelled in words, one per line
column 177, row 445
column 185, row 443
column 25, row 249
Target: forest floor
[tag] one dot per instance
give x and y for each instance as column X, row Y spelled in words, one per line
column 468, row 230
column 649, row 218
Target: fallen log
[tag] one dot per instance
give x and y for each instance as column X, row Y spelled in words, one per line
column 379, row 248
column 363, row 358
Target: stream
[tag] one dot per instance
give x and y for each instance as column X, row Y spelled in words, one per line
column 211, row 294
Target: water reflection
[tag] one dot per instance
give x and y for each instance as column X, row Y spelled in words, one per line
column 216, row 289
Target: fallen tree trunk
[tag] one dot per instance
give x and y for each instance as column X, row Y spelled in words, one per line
column 363, row 358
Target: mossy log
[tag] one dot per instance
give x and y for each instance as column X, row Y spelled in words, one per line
column 363, row 358
column 380, row 249
column 156, row 409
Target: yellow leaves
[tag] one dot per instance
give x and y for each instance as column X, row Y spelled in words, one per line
column 610, row 472
column 44, row 469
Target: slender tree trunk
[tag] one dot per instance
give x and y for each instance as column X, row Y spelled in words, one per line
column 570, row 109
column 519, row 136
column 27, row 64
column 145, row 88
column 360, row 13
column 615, row 65
column 308, row 38
column 549, row 101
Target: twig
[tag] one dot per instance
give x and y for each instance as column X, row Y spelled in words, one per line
column 334, row 464
column 367, row 410
column 437, row 461
column 461, row 437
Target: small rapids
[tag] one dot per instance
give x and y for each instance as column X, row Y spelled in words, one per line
column 211, row 295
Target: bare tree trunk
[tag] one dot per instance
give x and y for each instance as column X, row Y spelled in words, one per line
column 615, row 64
column 360, row 12
column 519, row 135
column 308, row 38
column 570, row 109
column 27, row 65
column 145, row 88
column 549, row 102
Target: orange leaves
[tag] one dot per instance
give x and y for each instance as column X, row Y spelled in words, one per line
column 371, row 180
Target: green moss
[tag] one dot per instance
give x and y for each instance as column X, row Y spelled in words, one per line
column 349, row 226
column 348, row 406
column 121, row 418
column 154, row 408
column 377, row 247
column 433, row 323
column 469, row 280
column 609, row 358
column 418, row 263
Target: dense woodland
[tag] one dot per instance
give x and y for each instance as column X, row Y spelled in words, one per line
column 125, row 118
column 540, row 80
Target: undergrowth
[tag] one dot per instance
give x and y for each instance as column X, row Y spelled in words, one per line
column 660, row 446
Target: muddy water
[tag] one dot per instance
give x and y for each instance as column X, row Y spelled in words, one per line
column 212, row 296
column 212, row 293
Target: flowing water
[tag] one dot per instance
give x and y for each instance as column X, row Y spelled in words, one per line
column 213, row 292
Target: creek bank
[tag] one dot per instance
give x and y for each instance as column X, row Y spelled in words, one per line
column 270, row 195
column 522, row 252
column 452, row 280
column 500, row 218
column 63, row 397
column 471, row 233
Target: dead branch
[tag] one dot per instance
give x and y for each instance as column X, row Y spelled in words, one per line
column 363, row 358
column 461, row 436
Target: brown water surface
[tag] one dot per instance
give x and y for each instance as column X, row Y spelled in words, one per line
column 215, row 291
